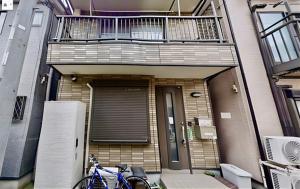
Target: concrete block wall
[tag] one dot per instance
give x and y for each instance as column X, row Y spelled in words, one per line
column 204, row 153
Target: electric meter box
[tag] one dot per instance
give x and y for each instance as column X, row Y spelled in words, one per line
column 204, row 129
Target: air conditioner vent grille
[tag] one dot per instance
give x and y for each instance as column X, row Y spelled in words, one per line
column 297, row 184
column 275, row 181
column 292, row 151
column 269, row 149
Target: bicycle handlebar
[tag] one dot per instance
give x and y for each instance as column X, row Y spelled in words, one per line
column 93, row 159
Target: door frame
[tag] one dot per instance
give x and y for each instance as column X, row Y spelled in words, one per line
column 159, row 90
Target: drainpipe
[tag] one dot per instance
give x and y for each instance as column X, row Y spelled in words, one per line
column 178, row 7
column 91, row 14
column 88, row 129
column 256, row 130
column 49, row 82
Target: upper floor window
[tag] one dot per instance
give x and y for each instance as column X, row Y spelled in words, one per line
column 37, row 18
column 19, row 108
column 280, row 41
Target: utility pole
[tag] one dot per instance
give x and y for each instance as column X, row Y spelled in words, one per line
column 11, row 66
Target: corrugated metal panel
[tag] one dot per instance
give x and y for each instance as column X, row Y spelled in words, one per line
column 120, row 114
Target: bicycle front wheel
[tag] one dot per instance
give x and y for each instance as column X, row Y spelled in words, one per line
column 135, row 183
column 84, row 183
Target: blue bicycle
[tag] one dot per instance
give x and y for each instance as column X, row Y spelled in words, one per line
column 97, row 181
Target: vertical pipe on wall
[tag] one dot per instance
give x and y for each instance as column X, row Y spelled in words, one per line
column 188, row 150
column 49, row 82
column 178, row 7
column 91, row 8
column 88, row 129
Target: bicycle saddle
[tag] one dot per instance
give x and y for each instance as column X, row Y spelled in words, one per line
column 122, row 167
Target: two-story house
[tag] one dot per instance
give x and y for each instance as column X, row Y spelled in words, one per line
column 147, row 69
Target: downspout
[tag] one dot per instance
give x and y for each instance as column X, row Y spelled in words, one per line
column 256, row 130
column 49, row 82
column 50, row 74
column 178, row 7
column 88, row 130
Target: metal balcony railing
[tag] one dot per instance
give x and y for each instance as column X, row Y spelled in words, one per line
column 139, row 28
column 282, row 39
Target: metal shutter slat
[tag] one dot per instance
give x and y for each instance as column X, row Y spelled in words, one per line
column 120, row 114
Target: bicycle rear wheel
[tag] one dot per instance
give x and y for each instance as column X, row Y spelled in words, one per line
column 135, row 183
column 84, row 183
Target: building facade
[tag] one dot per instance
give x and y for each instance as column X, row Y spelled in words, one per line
column 152, row 73
column 164, row 59
column 32, row 91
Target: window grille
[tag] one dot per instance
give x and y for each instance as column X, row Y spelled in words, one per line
column 19, row 108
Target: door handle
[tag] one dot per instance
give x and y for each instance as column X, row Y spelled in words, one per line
column 183, row 134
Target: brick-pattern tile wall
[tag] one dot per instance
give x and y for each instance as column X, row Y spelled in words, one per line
column 204, row 153
column 111, row 154
column 143, row 54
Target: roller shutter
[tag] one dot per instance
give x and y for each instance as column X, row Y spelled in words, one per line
column 120, row 112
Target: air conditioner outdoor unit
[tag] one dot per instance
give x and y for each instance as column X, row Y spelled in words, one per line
column 283, row 150
column 282, row 180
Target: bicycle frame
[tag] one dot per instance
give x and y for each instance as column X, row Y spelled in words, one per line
column 97, row 175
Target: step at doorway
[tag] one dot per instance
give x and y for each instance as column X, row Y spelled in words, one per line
column 182, row 179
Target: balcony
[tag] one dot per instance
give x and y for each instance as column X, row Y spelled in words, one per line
column 282, row 45
column 150, row 45
column 146, row 28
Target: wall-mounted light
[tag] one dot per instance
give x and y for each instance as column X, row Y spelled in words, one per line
column 258, row 6
column 196, row 94
column 74, row 78
column 235, row 89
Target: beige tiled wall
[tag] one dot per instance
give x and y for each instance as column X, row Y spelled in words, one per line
column 143, row 54
column 204, row 153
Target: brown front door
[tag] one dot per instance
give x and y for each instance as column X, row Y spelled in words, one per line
column 170, row 117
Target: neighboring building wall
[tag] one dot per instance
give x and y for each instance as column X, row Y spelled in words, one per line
column 6, row 30
column 238, row 143
column 23, row 139
column 237, row 140
column 204, row 155
column 259, row 88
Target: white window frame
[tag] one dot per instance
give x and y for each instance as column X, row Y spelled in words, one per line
column 35, row 16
